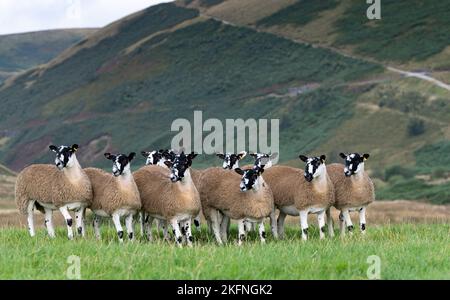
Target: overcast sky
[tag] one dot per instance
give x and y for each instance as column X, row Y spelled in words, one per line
column 34, row 15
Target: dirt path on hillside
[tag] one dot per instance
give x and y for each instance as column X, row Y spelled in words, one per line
column 418, row 75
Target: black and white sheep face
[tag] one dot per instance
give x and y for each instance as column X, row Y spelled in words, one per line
column 64, row 155
column 315, row 166
column 179, row 166
column 153, row 158
column 263, row 160
column 249, row 178
column 354, row 163
column 231, row 160
column 121, row 163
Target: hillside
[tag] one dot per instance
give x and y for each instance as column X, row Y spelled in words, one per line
column 121, row 88
column 19, row 52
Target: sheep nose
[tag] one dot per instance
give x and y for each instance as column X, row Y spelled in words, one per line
column 308, row 177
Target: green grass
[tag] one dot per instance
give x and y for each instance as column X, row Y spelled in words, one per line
column 406, row 251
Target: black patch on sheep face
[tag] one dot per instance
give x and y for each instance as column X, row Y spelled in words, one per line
column 231, row 160
column 63, row 155
column 353, row 162
column 249, row 178
column 120, row 162
column 263, row 160
column 155, row 157
column 179, row 166
column 312, row 166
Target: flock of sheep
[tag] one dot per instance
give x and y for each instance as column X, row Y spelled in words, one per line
column 169, row 190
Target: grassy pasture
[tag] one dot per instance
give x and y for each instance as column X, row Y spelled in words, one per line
column 408, row 251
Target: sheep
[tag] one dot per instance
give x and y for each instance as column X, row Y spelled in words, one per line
column 298, row 193
column 170, row 195
column 64, row 187
column 243, row 198
column 115, row 195
column 354, row 191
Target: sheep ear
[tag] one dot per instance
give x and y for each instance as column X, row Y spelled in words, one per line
column 254, row 155
column 274, row 156
column 110, row 156
column 169, row 164
column 53, row 148
column 366, row 156
column 145, row 154
column 303, row 158
column 239, row 171
column 131, row 156
column 342, row 155
column 192, row 155
column 242, row 154
column 323, row 158
column 74, row 148
column 220, row 155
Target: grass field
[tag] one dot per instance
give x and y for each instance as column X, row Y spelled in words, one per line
column 408, row 251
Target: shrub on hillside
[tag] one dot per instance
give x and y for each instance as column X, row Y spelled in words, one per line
column 404, row 172
column 416, row 127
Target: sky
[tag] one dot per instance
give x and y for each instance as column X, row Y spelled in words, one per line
column 18, row 16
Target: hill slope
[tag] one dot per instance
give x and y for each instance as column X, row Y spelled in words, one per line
column 121, row 88
column 19, row 52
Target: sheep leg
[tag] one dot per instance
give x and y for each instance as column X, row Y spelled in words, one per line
column 176, row 229
column 273, row 224
column 304, row 224
column 342, row 224
column 348, row 220
column 241, row 232
column 362, row 220
column 197, row 222
column 148, row 223
column 97, row 221
column 262, row 232
column 165, row 229
column 30, row 218
column 80, row 221
column 247, row 226
column 280, row 224
column 65, row 212
column 215, row 225
column 224, row 228
column 321, row 221
column 119, row 229
column 187, row 230
column 129, row 225
column 330, row 223
column 49, row 222
column 142, row 223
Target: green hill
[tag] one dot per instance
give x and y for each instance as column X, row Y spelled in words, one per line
column 19, row 52
column 121, row 88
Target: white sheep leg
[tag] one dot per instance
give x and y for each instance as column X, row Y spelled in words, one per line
column 65, row 212
column 247, row 226
column 119, row 229
column 241, row 232
column 280, row 224
column 224, row 228
column 129, row 225
column 321, row 221
column 79, row 220
column 49, row 222
column 273, row 224
column 197, row 222
column 188, row 231
column 215, row 225
column 362, row 220
column 142, row 222
column 262, row 232
column 30, row 218
column 342, row 224
column 148, row 228
column 97, row 222
column 176, row 229
column 304, row 224
column 330, row 223
column 348, row 220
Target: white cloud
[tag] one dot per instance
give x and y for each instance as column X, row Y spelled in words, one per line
column 34, row 15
